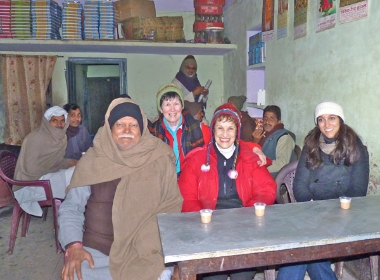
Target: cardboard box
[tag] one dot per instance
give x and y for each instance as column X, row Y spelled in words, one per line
column 134, row 8
column 157, row 29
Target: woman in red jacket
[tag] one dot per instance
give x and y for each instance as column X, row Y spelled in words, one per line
column 224, row 174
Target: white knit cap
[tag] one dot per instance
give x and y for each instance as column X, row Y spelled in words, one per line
column 55, row 111
column 330, row 108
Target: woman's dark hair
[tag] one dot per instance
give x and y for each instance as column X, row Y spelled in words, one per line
column 70, row 106
column 346, row 147
column 170, row 95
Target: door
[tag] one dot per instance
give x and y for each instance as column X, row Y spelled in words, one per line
column 99, row 93
column 93, row 84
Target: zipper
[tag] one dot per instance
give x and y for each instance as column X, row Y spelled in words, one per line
column 224, row 181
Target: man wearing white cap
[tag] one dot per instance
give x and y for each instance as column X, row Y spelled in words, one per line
column 42, row 157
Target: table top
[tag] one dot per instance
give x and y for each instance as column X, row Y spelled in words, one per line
column 284, row 226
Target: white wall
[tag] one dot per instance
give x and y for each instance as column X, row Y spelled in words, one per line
column 340, row 64
column 145, row 74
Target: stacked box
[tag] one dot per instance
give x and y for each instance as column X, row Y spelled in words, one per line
column 5, row 19
column 256, row 51
column 72, row 14
column 173, row 28
column 20, row 19
column 46, row 19
column 125, row 9
column 139, row 28
column 157, row 29
column 107, row 22
column 99, row 20
column 91, row 20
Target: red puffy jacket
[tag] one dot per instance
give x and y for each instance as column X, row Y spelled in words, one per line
column 200, row 189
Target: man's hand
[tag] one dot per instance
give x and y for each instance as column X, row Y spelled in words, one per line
column 198, row 90
column 262, row 157
column 205, row 92
column 73, row 260
column 257, row 135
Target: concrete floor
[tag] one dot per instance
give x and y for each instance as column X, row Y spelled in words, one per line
column 34, row 256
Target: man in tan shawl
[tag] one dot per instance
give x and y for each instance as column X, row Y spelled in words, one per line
column 107, row 223
column 42, row 157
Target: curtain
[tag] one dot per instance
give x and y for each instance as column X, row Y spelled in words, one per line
column 25, row 83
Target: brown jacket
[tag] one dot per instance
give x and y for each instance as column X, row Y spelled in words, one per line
column 248, row 126
column 148, row 186
column 42, row 152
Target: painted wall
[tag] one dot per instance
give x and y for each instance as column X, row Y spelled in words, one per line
column 340, row 64
column 145, row 74
column 103, row 71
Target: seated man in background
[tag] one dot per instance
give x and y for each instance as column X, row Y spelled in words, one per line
column 42, row 157
column 78, row 138
column 107, row 223
column 187, row 80
column 276, row 141
column 195, row 109
column 248, row 124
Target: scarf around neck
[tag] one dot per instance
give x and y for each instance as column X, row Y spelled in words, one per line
column 42, row 152
column 173, row 133
column 327, row 146
column 189, row 83
column 104, row 162
column 72, row 131
column 268, row 134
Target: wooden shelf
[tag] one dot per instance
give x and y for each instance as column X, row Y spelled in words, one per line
column 259, row 66
column 255, row 105
column 113, row 46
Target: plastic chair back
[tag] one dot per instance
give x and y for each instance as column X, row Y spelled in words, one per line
column 7, row 169
column 297, row 151
column 285, row 178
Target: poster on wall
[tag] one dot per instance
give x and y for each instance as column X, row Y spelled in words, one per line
column 326, row 16
column 282, row 19
column 351, row 10
column 300, row 18
column 268, row 20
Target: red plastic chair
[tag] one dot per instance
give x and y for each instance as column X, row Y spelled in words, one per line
column 7, row 168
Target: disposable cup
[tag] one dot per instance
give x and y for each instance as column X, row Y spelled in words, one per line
column 259, row 208
column 345, row 202
column 206, row 215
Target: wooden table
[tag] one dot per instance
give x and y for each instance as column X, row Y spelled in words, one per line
column 288, row 233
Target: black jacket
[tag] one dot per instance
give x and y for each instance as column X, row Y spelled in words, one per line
column 331, row 181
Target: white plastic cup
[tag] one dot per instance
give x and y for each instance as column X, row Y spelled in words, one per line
column 259, row 208
column 345, row 202
column 206, row 215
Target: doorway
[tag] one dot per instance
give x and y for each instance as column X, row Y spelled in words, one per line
column 92, row 84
